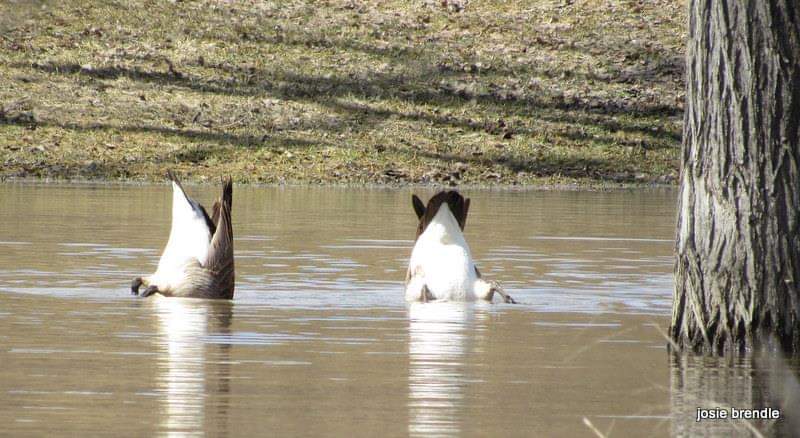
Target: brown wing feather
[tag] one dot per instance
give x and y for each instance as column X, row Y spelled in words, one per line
column 459, row 207
column 215, row 213
column 220, row 253
column 463, row 221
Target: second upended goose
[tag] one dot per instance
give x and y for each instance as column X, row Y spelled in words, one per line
column 441, row 265
column 198, row 259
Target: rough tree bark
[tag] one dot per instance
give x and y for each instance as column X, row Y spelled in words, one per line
column 738, row 240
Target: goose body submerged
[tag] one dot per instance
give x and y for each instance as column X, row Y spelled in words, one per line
column 198, row 259
column 441, row 265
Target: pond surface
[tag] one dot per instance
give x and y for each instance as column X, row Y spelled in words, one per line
column 318, row 340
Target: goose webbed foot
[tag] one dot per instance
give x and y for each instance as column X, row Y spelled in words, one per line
column 499, row 291
column 149, row 291
column 426, row 295
column 135, row 285
column 507, row 298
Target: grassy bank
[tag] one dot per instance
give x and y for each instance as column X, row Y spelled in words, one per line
column 490, row 92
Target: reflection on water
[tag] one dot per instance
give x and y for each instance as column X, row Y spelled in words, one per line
column 733, row 383
column 184, row 370
column 182, row 327
column 436, row 348
column 320, row 341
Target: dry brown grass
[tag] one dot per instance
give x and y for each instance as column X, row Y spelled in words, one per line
column 501, row 92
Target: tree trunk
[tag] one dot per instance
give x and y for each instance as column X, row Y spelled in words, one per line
column 738, row 242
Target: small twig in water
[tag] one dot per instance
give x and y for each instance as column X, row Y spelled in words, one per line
column 753, row 429
column 674, row 345
column 592, row 428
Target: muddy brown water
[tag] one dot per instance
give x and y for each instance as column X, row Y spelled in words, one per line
column 318, row 340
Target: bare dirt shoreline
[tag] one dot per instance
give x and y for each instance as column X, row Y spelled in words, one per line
column 595, row 187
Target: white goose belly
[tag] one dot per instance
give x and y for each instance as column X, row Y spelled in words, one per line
column 446, row 269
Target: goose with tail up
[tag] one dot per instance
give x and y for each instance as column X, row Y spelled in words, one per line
column 198, row 259
column 441, row 266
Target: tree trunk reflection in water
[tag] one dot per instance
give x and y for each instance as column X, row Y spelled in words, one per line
column 726, row 383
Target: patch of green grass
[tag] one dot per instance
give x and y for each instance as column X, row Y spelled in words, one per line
column 496, row 92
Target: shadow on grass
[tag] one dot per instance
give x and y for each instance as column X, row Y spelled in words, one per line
column 329, row 91
column 315, row 88
column 540, row 167
column 222, row 138
column 634, row 74
column 431, row 87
